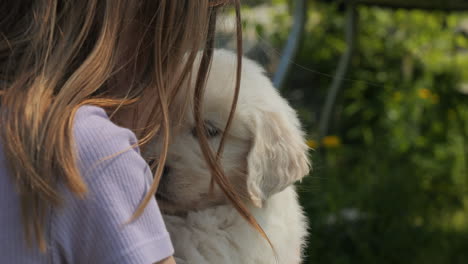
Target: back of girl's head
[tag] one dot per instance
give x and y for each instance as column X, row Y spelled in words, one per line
column 56, row 55
column 64, row 43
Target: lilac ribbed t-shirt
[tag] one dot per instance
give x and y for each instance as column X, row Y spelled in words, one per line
column 92, row 230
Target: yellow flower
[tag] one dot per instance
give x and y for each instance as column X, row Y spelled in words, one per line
column 424, row 93
column 312, row 143
column 397, row 96
column 331, row 141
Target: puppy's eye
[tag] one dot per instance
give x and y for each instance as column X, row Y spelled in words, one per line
column 210, row 131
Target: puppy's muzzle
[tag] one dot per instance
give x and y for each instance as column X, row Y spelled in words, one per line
column 163, row 183
column 166, row 171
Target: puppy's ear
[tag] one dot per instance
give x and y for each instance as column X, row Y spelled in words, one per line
column 278, row 156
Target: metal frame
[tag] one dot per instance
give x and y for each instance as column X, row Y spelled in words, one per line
column 297, row 32
column 292, row 45
column 343, row 66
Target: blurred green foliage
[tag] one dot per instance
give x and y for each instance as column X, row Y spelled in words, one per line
column 390, row 182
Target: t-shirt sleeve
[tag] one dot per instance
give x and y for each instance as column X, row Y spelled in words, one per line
column 95, row 229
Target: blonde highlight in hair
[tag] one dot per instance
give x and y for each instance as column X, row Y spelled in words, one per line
column 58, row 55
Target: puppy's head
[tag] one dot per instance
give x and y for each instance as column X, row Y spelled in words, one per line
column 264, row 152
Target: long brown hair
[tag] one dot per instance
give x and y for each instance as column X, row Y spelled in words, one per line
column 57, row 55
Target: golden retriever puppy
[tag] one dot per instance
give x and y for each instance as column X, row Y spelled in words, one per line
column 264, row 154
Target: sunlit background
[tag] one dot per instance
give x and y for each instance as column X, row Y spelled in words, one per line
column 390, row 162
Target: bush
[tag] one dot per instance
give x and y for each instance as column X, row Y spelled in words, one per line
column 389, row 183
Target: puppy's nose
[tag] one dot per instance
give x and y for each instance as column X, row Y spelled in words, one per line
column 166, row 170
column 164, row 180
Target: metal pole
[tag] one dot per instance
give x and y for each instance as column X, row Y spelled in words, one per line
column 290, row 50
column 345, row 60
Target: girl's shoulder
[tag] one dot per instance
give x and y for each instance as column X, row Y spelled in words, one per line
column 117, row 178
column 97, row 137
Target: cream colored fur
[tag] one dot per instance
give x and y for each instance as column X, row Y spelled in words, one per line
column 265, row 153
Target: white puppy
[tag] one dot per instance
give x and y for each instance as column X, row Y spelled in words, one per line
column 265, row 153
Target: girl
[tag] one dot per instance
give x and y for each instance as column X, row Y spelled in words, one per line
column 84, row 85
